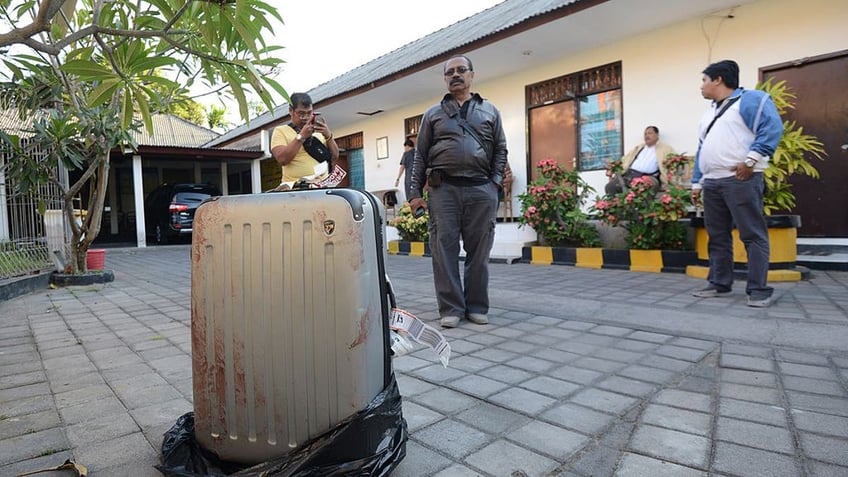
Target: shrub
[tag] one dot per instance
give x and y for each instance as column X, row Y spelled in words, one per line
column 651, row 219
column 411, row 228
column 552, row 206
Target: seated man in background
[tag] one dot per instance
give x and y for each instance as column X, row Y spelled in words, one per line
column 646, row 159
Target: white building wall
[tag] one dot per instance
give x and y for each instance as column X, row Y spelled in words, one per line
column 661, row 75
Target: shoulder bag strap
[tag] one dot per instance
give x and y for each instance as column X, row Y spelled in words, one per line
column 723, row 109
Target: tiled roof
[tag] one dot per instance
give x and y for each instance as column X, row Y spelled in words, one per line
column 476, row 27
column 168, row 130
column 11, row 124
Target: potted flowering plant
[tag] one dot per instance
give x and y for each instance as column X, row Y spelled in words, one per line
column 411, row 228
column 651, row 219
column 552, row 206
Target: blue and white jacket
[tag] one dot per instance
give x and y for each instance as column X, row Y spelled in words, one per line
column 751, row 127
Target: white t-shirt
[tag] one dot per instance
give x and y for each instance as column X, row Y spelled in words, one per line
column 646, row 160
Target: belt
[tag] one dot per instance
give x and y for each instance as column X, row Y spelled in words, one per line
column 463, row 181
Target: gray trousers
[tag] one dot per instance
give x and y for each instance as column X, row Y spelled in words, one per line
column 469, row 213
column 729, row 201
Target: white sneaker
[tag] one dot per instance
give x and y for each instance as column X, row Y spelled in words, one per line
column 478, row 318
column 759, row 303
column 449, row 321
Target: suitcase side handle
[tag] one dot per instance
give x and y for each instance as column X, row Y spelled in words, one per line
column 355, row 198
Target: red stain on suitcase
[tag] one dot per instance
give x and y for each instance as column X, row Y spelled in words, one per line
column 363, row 331
column 200, row 368
column 209, row 217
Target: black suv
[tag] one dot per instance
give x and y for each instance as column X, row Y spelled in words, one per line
column 169, row 209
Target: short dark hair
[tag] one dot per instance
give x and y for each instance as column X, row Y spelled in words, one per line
column 409, row 143
column 727, row 70
column 300, row 99
column 467, row 60
column 656, row 129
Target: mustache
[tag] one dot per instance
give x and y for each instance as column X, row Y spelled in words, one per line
column 457, row 81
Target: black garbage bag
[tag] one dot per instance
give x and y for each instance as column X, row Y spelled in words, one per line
column 371, row 443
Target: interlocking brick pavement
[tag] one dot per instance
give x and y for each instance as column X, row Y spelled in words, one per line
column 564, row 381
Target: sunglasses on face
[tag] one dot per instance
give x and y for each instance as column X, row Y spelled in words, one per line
column 459, row 70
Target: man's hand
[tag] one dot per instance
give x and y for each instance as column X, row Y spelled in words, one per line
column 743, row 172
column 417, row 203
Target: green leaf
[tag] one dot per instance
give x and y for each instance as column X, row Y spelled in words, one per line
column 103, row 93
column 153, row 62
column 127, row 110
column 87, row 70
column 144, row 110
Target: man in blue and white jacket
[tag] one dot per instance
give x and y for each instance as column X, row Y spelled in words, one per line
column 738, row 134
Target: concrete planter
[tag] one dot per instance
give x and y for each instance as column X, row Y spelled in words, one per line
column 654, row 261
column 87, row 278
column 783, row 250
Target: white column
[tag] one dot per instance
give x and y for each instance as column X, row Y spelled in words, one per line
column 224, row 184
column 63, row 176
column 138, row 197
column 265, row 143
column 113, row 201
column 256, row 170
column 4, row 208
column 255, row 176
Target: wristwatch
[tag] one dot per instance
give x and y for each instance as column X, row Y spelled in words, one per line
column 299, row 137
column 749, row 162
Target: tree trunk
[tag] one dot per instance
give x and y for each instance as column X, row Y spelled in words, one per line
column 84, row 233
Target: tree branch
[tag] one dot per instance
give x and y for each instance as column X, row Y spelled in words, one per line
column 200, row 54
column 46, row 12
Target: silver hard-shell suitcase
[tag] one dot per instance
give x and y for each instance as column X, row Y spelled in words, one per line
column 289, row 318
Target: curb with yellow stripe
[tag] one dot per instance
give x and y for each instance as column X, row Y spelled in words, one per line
column 782, row 255
column 783, row 250
column 656, row 261
column 415, row 249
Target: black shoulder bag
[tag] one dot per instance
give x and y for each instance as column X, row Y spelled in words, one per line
column 316, row 149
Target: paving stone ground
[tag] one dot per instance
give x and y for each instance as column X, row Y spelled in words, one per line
column 581, row 372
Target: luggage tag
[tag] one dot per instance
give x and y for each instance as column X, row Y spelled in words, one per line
column 407, row 325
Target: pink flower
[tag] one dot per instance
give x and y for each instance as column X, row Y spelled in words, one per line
column 630, row 195
column 665, row 199
column 531, row 210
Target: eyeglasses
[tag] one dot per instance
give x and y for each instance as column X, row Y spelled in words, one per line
column 303, row 114
column 459, row 70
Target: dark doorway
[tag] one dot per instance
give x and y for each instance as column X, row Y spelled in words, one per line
column 821, row 108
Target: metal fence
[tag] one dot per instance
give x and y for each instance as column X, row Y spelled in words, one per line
column 28, row 238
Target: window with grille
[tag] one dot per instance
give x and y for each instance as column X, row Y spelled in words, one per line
column 575, row 119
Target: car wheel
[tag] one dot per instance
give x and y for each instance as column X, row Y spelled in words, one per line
column 161, row 237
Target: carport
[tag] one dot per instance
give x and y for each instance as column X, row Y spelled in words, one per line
column 174, row 153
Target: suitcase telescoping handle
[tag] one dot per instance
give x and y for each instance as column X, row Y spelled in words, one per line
column 391, row 293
